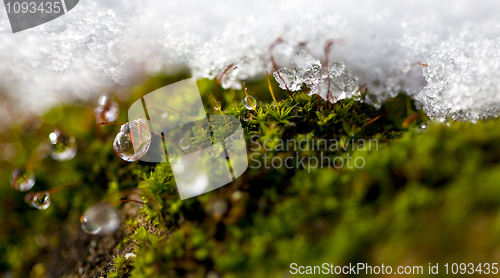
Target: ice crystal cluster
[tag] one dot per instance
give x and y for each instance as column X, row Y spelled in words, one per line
column 110, row 44
column 330, row 82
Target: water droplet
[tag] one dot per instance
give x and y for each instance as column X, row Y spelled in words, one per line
column 41, row 200
column 422, row 128
column 22, row 180
column 63, row 146
column 217, row 105
column 102, row 218
column 133, row 140
column 107, row 110
column 184, row 144
column 250, row 103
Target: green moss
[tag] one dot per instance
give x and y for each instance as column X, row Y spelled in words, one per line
column 421, row 196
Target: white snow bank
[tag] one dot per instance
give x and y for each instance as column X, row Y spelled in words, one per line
column 103, row 44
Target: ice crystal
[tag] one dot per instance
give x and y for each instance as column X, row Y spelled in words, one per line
column 330, row 83
column 102, row 45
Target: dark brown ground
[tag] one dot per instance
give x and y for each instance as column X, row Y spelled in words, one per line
column 79, row 254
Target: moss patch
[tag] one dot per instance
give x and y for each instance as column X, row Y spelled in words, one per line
column 422, row 196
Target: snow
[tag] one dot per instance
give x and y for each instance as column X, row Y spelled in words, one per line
column 106, row 45
column 463, row 77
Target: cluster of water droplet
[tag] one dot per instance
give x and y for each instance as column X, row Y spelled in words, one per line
column 331, row 83
column 63, row 146
column 102, row 218
column 107, row 110
column 133, row 140
column 131, row 143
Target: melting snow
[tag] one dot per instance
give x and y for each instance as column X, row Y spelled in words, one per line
column 103, row 45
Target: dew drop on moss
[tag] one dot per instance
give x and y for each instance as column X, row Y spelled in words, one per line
column 41, row 200
column 63, row 146
column 133, row 140
column 249, row 102
column 102, row 218
column 217, row 105
column 22, row 180
column 107, row 110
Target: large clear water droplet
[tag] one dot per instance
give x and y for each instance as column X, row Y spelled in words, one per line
column 41, row 200
column 102, row 218
column 22, row 180
column 133, row 140
column 107, row 110
column 249, row 102
column 63, row 146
